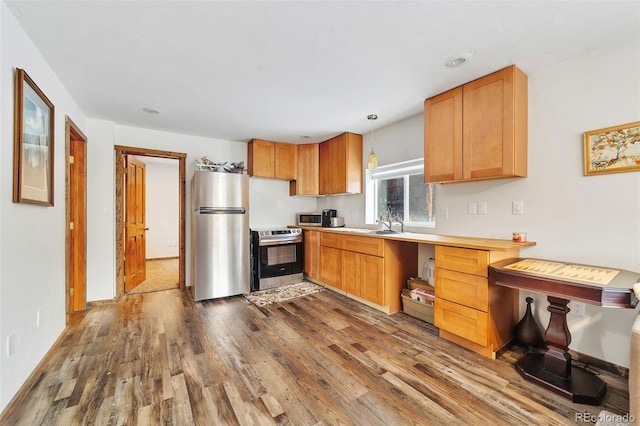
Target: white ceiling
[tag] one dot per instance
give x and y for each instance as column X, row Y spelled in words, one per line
column 235, row 70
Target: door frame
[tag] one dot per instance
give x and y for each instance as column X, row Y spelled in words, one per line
column 121, row 151
column 72, row 129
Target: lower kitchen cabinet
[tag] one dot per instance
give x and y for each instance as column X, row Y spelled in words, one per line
column 331, row 266
column 312, row 254
column 372, row 285
column 370, row 269
column 331, row 259
column 468, row 309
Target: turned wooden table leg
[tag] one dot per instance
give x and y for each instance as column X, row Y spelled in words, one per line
column 552, row 370
column 557, row 359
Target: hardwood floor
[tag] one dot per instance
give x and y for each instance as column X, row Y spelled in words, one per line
column 160, row 358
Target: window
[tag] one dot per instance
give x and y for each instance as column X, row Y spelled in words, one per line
column 400, row 189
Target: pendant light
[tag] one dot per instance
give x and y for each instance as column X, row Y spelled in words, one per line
column 372, row 162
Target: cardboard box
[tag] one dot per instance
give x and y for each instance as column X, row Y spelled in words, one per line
column 417, row 309
column 419, row 283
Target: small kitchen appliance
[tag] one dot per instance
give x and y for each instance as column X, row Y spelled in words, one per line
column 327, row 214
column 337, row 222
column 309, row 219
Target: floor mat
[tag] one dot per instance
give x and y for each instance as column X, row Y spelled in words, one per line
column 283, row 293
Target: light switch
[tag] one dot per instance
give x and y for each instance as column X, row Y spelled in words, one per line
column 482, row 207
column 444, row 213
column 473, row 208
column 517, row 207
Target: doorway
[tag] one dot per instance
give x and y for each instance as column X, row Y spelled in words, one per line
column 121, row 165
column 76, row 218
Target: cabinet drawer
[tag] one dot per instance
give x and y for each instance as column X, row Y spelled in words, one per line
column 366, row 245
column 462, row 321
column 330, row 240
column 463, row 260
column 465, row 289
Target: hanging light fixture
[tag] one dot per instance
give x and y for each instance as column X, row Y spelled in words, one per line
column 372, row 162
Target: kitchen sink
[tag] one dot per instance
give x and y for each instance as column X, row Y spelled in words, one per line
column 385, row 231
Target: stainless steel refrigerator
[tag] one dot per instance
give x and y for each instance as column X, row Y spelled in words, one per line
column 220, row 234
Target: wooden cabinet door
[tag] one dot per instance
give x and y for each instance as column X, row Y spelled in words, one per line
column 372, row 279
column 351, row 272
column 443, row 137
column 494, row 112
column 286, row 165
column 332, row 165
column 308, row 177
column 341, row 165
column 260, row 158
column 312, row 254
column 331, row 266
column 353, row 163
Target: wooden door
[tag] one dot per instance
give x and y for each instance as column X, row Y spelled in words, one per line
column 312, row 254
column 443, row 137
column 135, row 244
column 77, row 227
column 351, row 272
column 286, row 165
column 261, row 158
column 308, row 177
column 488, row 126
column 372, row 279
column 331, row 266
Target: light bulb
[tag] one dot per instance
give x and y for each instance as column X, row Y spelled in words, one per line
column 372, row 162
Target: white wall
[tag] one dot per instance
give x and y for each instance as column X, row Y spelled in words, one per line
column 270, row 204
column 162, row 207
column 32, row 238
column 574, row 218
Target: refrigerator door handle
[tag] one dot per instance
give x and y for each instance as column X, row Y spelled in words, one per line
column 221, row 210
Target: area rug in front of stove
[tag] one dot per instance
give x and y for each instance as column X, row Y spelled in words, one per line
column 283, row 293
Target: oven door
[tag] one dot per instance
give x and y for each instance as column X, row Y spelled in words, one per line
column 280, row 259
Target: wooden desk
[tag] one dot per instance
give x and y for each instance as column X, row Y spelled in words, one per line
column 562, row 282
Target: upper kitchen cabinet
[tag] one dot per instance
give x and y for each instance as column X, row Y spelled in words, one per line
column 478, row 131
column 308, row 177
column 272, row 159
column 341, row 165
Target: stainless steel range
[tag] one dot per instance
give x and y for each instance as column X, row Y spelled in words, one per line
column 276, row 257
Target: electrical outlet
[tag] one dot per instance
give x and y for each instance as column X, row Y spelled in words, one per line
column 11, row 345
column 577, row 308
column 482, row 207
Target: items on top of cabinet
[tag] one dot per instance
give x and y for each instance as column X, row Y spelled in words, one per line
column 203, row 163
column 479, row 130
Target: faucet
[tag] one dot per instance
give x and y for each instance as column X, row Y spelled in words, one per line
column 388, row 218
column 388, row 225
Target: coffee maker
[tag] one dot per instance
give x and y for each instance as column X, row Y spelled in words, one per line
column 327, row 214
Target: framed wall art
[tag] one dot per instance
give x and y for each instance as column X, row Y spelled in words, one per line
column 613, row 149
column 32, row 143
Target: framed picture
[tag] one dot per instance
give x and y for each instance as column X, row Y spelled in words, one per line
column 613, row 149
column 32, row 143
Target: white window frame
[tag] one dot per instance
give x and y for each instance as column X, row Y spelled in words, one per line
column 403, row 169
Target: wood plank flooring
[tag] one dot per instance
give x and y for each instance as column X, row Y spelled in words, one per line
column 160, row 358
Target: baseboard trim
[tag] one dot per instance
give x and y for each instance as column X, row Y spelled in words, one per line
column 104, row 302
column 600, row 364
